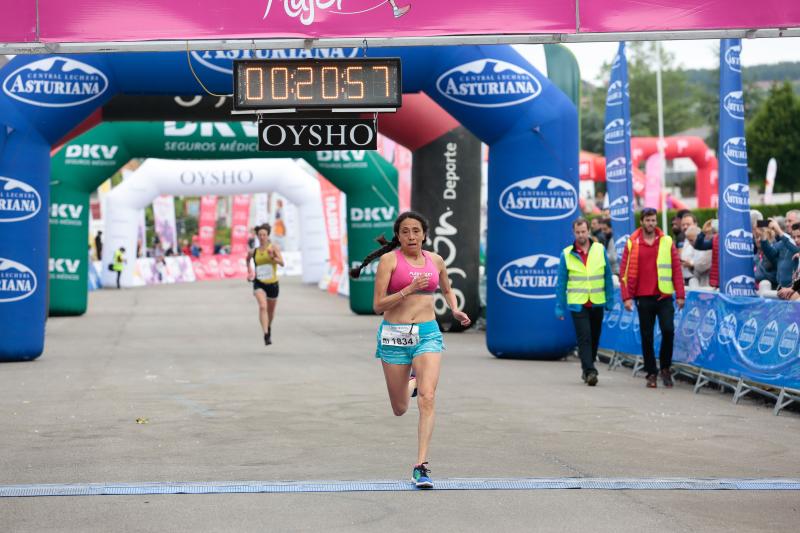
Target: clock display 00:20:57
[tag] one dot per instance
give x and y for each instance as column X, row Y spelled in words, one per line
column 317, row 83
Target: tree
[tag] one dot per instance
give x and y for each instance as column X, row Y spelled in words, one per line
column 774, row 131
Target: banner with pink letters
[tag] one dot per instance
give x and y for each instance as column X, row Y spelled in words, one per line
column 83, row 21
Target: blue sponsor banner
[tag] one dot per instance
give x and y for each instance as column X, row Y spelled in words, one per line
column 617, row 139
column 736, row 238
column 753, row 338
column 621, row 332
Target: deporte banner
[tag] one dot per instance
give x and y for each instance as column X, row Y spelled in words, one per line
column 753, row 338
column 132, row 20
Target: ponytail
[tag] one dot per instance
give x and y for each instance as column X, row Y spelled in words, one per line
column 386, row 247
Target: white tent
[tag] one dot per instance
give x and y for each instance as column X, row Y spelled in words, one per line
column 221, row 177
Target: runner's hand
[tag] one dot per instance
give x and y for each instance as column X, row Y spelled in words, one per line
column 462, row 317
column 419, row 283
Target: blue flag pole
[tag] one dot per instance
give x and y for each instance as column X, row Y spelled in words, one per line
column 735, row 231
column 617, row 139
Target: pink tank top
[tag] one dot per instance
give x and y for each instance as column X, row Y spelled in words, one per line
column 404, row 273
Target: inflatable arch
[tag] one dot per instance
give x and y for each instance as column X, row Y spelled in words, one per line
column 79, row 167
column 530, row 126
column 185, row 178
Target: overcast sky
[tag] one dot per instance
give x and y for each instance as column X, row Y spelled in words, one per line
column 691, row 54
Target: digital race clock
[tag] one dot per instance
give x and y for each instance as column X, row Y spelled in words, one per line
column 362, row 84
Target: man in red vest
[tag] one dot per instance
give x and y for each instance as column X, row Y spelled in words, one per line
column 650, row 273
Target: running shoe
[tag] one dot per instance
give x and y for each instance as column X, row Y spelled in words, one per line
column 666, row 377
column 268, row 337
column 414, row 379
column 421, row 476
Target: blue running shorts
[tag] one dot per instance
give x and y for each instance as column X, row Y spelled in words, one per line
column 399, row 344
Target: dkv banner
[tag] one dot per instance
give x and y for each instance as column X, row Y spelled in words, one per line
column 735, row 232
column 617, row 140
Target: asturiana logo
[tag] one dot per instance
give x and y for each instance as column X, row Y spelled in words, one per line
column 626, row 319
column 532, row 277
column 788, row 344
column 489, row 83
column 615, row 131
column 727, row 330
column 691, row 322
column 741, row 286
column 620, row 244
column 614, row 315
column 737, row 197
column 709, row 325
column 617, row 170
column 768, row 337
column 55, row 82
column 222, row 60
column 735, row 151
column 620, row 209
column 614, row 94
column 732, row 58
column 18, row 200
column 733, row 103
column 739, row 243
column 747, row 337
column 539, row 198
column 17, row 281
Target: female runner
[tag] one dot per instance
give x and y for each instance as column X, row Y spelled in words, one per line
column 267, row 257
column 409, row 337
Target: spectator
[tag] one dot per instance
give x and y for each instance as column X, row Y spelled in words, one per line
column 186, row 249
column 792, row 218
column 708, row 239
column 677, row 232
column 611, row 248
column 695, row 264
column 98, row 245
column 765, row 270
column 597, row 234
column 118, row 263
column 651, row 275
column 793, row 292
column 781, row 253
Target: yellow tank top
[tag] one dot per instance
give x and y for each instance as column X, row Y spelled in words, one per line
column 266, row 267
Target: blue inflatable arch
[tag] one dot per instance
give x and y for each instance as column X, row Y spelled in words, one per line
column 531, row 128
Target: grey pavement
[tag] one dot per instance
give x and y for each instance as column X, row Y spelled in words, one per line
column 220, row 406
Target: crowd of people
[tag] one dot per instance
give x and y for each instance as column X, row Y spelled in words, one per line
column 776, row 251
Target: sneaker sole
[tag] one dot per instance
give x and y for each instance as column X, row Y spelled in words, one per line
column 424, row 484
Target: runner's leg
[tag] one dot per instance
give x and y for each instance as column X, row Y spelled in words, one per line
column 426, row 367
column 397, row 385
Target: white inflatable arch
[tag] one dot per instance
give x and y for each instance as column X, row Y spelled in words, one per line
column 221, row 177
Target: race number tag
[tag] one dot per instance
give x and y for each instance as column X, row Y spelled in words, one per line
column 393, row 335
column 264, row 271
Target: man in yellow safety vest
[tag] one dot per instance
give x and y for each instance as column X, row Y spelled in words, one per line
column 585, row 288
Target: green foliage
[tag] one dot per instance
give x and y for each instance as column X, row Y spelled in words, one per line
column 222, row 236
column 774, row 131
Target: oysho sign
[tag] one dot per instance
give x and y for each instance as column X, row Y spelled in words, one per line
column 216, row 177
column 18, row 200
column 532, row 277
column 17, row 281
column 539, row 198
column 55, row 82
column 317, row 134
column 489, row 83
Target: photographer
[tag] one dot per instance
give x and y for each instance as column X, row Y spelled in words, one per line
column 781, row 252
column 793, row 292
